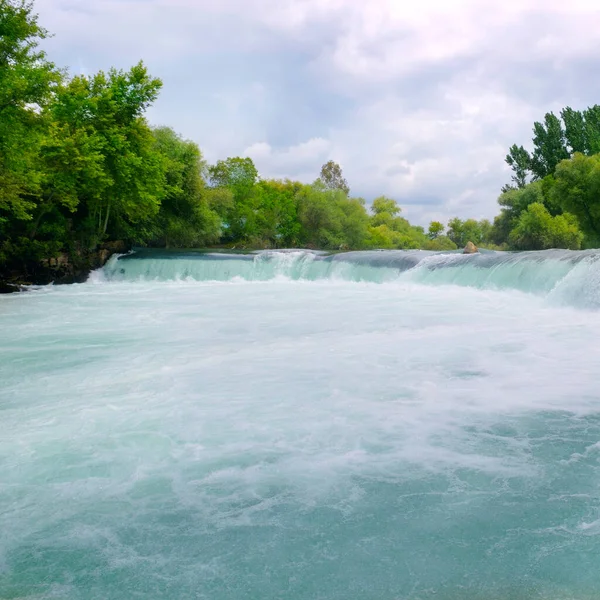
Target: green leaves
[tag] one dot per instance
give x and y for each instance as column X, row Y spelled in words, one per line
column 332, row 178
column 101, row 152
column 537, row 229
column 26, row 83
column 77, row 159
column 519, row 161
column 385, row 205
column 577, row 190
column 239, row 175
column 462, row 232
column 554, row 140
column 185, row 217
column 435, row 230
column 549, row 146
column 388, row 230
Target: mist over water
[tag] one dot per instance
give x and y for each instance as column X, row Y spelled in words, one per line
column 375, row 426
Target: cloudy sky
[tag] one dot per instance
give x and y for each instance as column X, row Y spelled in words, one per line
column 416, row 99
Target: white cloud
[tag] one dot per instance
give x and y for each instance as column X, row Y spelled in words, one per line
column 302, row 161
column 418, row 100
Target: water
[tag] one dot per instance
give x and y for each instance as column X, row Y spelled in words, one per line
column 381, row 426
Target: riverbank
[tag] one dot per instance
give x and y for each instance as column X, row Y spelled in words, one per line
column 73, row 267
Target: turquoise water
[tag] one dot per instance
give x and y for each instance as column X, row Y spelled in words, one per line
column 376, row 426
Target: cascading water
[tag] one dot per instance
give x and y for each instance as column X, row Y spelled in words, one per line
column 297, row 425
column 563, row 275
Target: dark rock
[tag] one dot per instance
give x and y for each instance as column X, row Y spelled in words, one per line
column 64, row 268
column 8, row 288
column 117, row 247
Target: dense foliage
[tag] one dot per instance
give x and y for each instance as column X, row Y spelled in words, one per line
column 80, row 165
column 553, row 200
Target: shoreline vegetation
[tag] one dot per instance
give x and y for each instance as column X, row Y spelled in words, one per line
column 84, row 175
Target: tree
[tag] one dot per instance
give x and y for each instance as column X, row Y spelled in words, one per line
column 354, row 221
column 554, row 140
column 332, row 178
column 457, row 233
column 440, row 244
column 109, row 108
column 549, row 146
column 537, row 229
column 320, row 221
column 519, row 161
column 331, row 220
column 240, row 176
column 577, row 190
column 382, row 238
column 462, row 232
column 389, row 230
column 485, row 228
column 185, row 218
column 27, row 80
column 455, row 230
column 591, row 117
column 277, row 223
column 472, row 232
column 575, row 130
column 513, row 202
column 386, row 205
column 386, row 212
column 436, row 229
column 237, row 173
column 582, row 129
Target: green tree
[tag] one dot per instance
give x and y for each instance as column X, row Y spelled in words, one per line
column 554, row 140
column 577, row 191
column 27, row 80
column 575, row 130
column 470, row 230
column 382, row 237
column 332, row 177
column 513, row 202
column 320, row 221
column 185, row 218
column 537, row 229
column 436, row 229
column 383, row 204
column 389, row 230
column 440, row 244
column 100, row 174
column 519, row 161
column 277, row 223
column 455, row 231
column 354, row 221
column 582, row 129
column 240, row 176
column 331, row 220
column 386, row 212
column 549, row 146
column 110, row 108
column 485, row 231
column 591, row 117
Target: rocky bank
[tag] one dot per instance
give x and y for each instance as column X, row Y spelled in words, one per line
column 73, row 267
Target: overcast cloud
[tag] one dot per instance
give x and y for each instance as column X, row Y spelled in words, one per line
column 418, row 100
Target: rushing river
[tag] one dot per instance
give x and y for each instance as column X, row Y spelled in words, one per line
column 286, row 426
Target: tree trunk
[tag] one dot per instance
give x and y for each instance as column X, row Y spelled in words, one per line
column 43, row 210
column 106, row 220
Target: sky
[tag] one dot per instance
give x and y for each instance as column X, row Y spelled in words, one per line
column 415, row 99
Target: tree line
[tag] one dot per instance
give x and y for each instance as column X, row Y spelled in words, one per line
column 553, row 199
column 80, row 165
